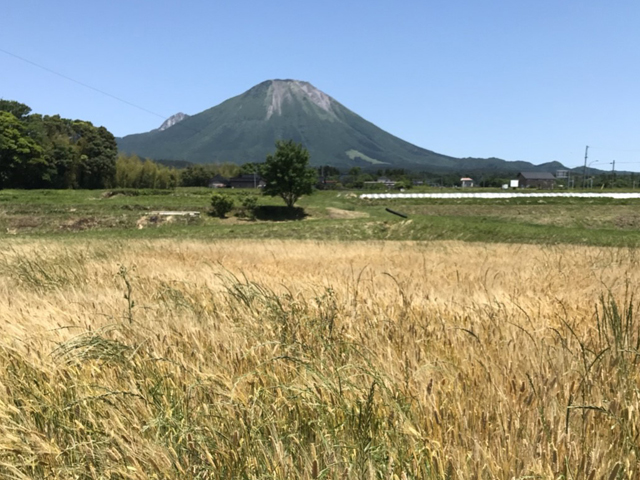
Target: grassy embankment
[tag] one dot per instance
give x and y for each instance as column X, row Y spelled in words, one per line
column 330, row 215
column 300, row 359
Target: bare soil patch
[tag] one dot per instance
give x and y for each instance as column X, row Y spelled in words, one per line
column 338, row 213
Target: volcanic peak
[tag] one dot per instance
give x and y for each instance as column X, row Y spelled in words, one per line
column 281, row 91
column 172, row 120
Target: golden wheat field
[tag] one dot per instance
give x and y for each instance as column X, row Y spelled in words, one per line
column 177, row 359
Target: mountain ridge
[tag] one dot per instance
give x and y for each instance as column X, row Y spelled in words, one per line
column 173, row 120
column 244, row 129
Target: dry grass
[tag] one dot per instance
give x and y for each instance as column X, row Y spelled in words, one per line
column 345, row 214
column 246, row 359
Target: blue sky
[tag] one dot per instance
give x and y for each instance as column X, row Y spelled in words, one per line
column 533, row 80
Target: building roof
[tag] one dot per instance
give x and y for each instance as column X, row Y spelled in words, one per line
column 466, row 179
column 537, row 175
column 218, row 179
column 246, row 177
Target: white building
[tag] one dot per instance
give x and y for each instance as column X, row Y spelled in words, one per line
column 466, row 182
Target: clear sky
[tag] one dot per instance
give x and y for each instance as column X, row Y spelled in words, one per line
column 533, row 80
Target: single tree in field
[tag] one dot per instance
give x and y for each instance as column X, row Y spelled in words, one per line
column 287, row 174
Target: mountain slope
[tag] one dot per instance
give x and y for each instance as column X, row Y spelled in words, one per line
column 245, row 128
column 173, row 120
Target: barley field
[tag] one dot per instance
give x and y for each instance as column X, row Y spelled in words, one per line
column 271, row 359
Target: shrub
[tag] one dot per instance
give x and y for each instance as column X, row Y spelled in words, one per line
column 221, row 205
column 248, row 205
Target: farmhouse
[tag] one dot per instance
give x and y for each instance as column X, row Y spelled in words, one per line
column 241, row 181
column 382, row 181
column 466, row 182
column 543, row 180
column 218, row 182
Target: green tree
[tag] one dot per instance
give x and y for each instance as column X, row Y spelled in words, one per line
column 128, row 168
column 226, row 169
column 250, row 168
column 51, row 152
column 98, row 151
column 21, row 159
column 132, row 172
column 167, row 178
column 17, row 109
column 148, row 175
column 196, row 176
column 328, row 171
column 57, row 137
column 287, row 173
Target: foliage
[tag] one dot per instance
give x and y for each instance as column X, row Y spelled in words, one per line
column 178, row 164
column 17, row 109
column 404, row 184
column 492, row 181
column 327, row 171
column 251, row 168
column 287, row 173
column 195, row 176
column 21, row 158
column 98, row 151
column 200, row 175
column 52, row 152
column 221, row 204
column 248, row 205
column 132, row 172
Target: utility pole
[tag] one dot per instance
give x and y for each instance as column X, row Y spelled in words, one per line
column 584, row 172
column 613, row 174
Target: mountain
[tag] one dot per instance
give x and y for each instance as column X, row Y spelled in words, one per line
column 172, row 120
column 245, row 128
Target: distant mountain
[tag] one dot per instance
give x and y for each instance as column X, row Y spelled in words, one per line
column 245, row 128
column 172, row 120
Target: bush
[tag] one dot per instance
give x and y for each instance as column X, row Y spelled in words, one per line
column 221, row 205
column 248, row 205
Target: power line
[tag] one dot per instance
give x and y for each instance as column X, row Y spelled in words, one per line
column 102, row 92
column 605, row 149
column 164, row 117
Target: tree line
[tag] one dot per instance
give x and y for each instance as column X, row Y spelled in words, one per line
column 39, row 151
column 43, row 151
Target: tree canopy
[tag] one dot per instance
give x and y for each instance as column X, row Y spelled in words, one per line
column 21, row 158
column 52, row 152
column 287, row 174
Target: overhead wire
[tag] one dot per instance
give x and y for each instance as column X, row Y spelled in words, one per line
column 82, row 83
column 164, row 117
column 102, row 92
